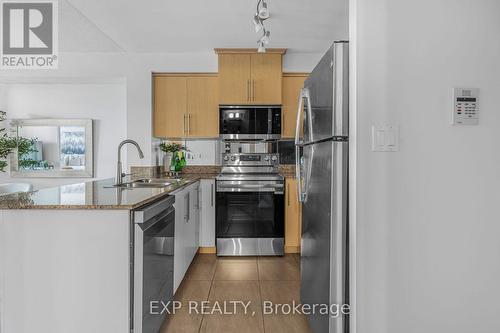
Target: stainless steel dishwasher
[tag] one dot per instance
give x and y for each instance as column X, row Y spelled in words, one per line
column 153, row 264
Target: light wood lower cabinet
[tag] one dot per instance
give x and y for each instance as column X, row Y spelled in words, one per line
column 186, row 106
column 292, row 83
column 293, row 217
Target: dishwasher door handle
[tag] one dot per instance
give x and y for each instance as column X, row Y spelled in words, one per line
column 150, row 211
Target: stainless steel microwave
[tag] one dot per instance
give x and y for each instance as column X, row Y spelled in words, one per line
column 250, row 122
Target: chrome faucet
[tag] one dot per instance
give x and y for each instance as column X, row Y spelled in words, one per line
column 119, row 174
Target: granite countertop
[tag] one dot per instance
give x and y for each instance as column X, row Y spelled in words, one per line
column 100, row 194
column 92, row 195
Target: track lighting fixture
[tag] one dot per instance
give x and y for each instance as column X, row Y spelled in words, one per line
column 260, row 16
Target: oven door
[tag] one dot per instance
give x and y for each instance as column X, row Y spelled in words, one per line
column 250, row 218
column 250, row 123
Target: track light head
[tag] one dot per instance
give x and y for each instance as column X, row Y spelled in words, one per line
column 263, row 10
column 265, row 37
column 258, row 23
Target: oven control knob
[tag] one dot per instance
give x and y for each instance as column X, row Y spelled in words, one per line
column 233, row 158
column 226, row 158
column 274, row 158
column 266, row 158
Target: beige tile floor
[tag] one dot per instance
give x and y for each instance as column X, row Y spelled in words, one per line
column 248, row 279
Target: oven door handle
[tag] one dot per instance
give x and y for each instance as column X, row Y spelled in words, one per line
column 252, row 186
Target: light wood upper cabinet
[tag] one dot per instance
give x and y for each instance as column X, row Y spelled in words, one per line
column 266, row 78
column 248, row 77
column 203, row 107
column 293, row 217
column 169, row 105
column 234, row 78
column 292, row 83
column 185, row 106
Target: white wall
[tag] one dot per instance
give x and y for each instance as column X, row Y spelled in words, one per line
column 105, row 103
column 427, row 217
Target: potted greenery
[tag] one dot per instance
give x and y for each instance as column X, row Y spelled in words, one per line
column 174, row 158
column 9, row 144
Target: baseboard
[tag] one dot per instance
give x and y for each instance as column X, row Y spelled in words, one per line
column 205, row 250
column 292, row 249
column 213, row 249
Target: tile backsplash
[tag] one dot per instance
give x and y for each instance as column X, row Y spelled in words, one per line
column 208, row 152
column 201, row 152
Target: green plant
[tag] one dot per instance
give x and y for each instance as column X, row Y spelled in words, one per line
column 172, row 147
column 5, row 144
column 8, row 144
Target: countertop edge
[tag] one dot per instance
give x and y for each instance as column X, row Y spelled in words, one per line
column 20, row 206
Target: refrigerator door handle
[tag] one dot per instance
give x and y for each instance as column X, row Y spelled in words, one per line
column 304, row 94
column 341, row 89
column 297, row 123
column 298, row 173
column 302, row 184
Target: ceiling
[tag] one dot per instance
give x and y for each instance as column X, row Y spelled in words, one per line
column 164, row 26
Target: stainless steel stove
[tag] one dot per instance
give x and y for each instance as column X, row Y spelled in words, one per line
column 250, row 205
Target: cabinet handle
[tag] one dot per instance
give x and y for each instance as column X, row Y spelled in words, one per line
column 212, row 194
column 253, row 90
column 189, row 123
column 248, row 90
column 198, row 198
column 184, row 127
column 288, row 194
column 186, row 214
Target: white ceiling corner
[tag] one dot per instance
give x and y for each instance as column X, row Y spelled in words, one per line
column 78, row 33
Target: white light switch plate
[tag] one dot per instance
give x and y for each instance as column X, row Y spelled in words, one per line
column 385, row 138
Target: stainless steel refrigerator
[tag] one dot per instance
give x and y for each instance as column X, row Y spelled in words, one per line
column 321, row 141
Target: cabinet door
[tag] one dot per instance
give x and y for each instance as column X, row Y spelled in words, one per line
column 207, row 221
column 234, row 78
column 203, row 107
column 266, row 78
column 179, row 241
column 292, row 83
column 292, row 217
column 192, row 234
column 169, row 106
